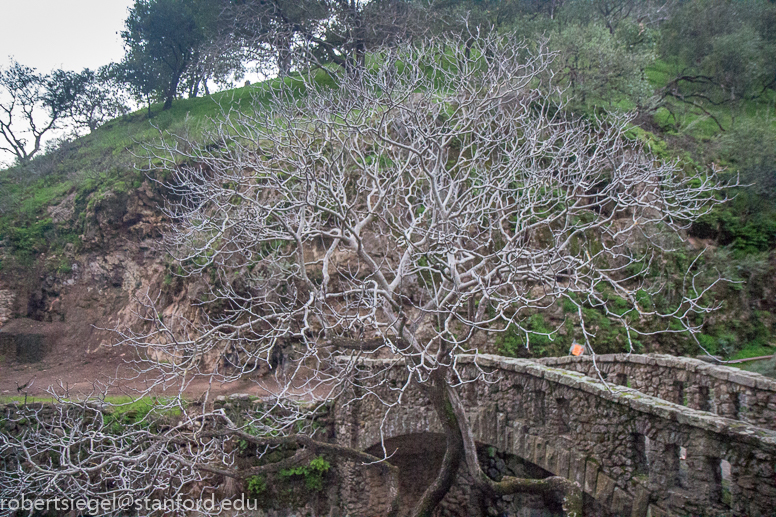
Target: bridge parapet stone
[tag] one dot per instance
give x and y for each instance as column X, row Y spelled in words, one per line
column 656, row 511
column 604, row 489
column 719, row 389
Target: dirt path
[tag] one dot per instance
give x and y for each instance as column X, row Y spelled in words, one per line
column 84, row 373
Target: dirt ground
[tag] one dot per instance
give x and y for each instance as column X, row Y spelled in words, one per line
column 65, row 348
column 71, row 366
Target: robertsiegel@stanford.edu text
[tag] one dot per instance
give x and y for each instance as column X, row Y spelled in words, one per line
column 126, row 502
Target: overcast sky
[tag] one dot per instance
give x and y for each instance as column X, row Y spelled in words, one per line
column 68, row 34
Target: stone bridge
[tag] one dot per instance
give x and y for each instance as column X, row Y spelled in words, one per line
column 725, row 391
column 662, row 436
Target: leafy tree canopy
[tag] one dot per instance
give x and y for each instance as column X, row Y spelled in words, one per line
column 163, row 40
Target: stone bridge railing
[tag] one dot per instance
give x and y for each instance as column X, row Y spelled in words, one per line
column 725, row 391
column 636, row 455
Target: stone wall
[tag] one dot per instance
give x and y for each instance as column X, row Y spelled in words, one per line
column 7, row 299
column 13, row 416
column 725, row 391
column 636, row 455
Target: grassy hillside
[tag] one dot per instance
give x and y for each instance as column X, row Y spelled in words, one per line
column 112, row 158
column 107, row 159
column 739, row 142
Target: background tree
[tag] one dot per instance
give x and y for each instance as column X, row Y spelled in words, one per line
column 720, row 52
column 612, row 12
column 217, row 63
column 30, row 106
column 165, row 36
column 271, row 33
column 316, row 32
column 96, row 96
column 140, row 75
column 602, row 69
column 438, row 196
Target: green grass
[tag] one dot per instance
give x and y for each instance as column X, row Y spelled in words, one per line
column 754, row 351
column 11, row 399
column 120, row 404
column 659, row 73
column 126, row 411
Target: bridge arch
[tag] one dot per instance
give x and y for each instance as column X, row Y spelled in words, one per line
column 418, row 458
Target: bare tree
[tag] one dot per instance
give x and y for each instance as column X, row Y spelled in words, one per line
column 30, row 105
column 439, row 195
column 97, row 96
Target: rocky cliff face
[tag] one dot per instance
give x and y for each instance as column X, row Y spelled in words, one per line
column 73, row 299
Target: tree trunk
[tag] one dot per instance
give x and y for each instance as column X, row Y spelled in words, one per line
column 195, row 87
column 568, row 492
column 461, row 448
column 454, row 452
column 284, row 55
column 172, row 89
